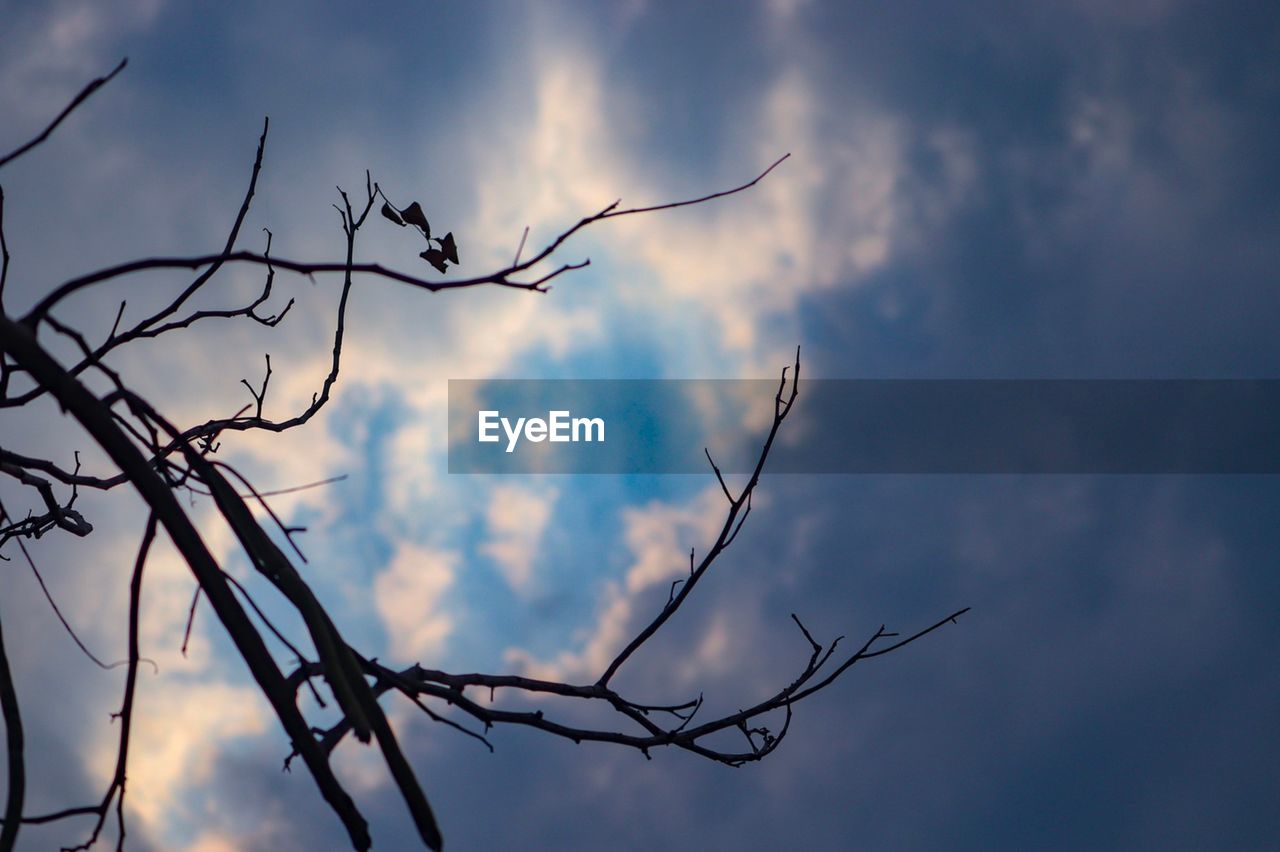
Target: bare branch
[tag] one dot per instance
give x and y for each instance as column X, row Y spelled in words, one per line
column 161, row 460
column 84, row 95
column 702, row 199
column 4, row 261
column 501, row 278
column 728, row 531
column 17, row 342
column 520, row 248
column 116, row 789
column 17, row 760
column 61, row 618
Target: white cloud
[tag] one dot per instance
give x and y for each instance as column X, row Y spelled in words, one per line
column 214, row 842
column 713, row 652
column 659, row 536
column 65, row 45
column 737, row 269
column 516, row 519
column 180, row 729
column 408, row 596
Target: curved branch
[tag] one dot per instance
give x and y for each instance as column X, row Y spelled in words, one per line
column 84, row 95
column 739, row 507
column 450, row 688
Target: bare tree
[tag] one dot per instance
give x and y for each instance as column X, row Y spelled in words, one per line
column 161, row 460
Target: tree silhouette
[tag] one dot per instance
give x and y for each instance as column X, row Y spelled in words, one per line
column 162, row 460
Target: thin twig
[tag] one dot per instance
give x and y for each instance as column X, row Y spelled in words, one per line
column 84, row 95
column 65, row 624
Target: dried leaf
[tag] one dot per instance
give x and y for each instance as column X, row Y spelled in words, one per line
column 390, row 213
column 436, row 258
column 449, row 248
column 414, row 216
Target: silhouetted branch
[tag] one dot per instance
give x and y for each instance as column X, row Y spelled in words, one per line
column 738, row 506
column 4, row 274
column 762, row 740
column 502, row 277
column 84, row 95
column 116, row 789
column 702, row 199
column 161, row 460
column 16, row 755
column 48, row 596
column 58, row 514
column 18, row 343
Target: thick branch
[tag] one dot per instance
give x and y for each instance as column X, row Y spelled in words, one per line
column 17, row 341
column 17, row 765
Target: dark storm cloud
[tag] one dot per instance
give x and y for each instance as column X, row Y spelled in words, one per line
column 1120, row 225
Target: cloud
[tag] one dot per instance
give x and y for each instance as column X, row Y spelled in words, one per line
column 826, row 217
column 727, row 277
column 212, row 842
column 659, row 536
column 516, row 520
column 408, row 596
column 63, row 45
column 180, row 729
column 1094, row 151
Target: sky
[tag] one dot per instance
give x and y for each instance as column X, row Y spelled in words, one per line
column 980, row 190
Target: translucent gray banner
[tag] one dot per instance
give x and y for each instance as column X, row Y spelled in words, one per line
column 867, row 426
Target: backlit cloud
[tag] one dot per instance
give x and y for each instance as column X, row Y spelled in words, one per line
column 516, row 520
column 410, row 598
